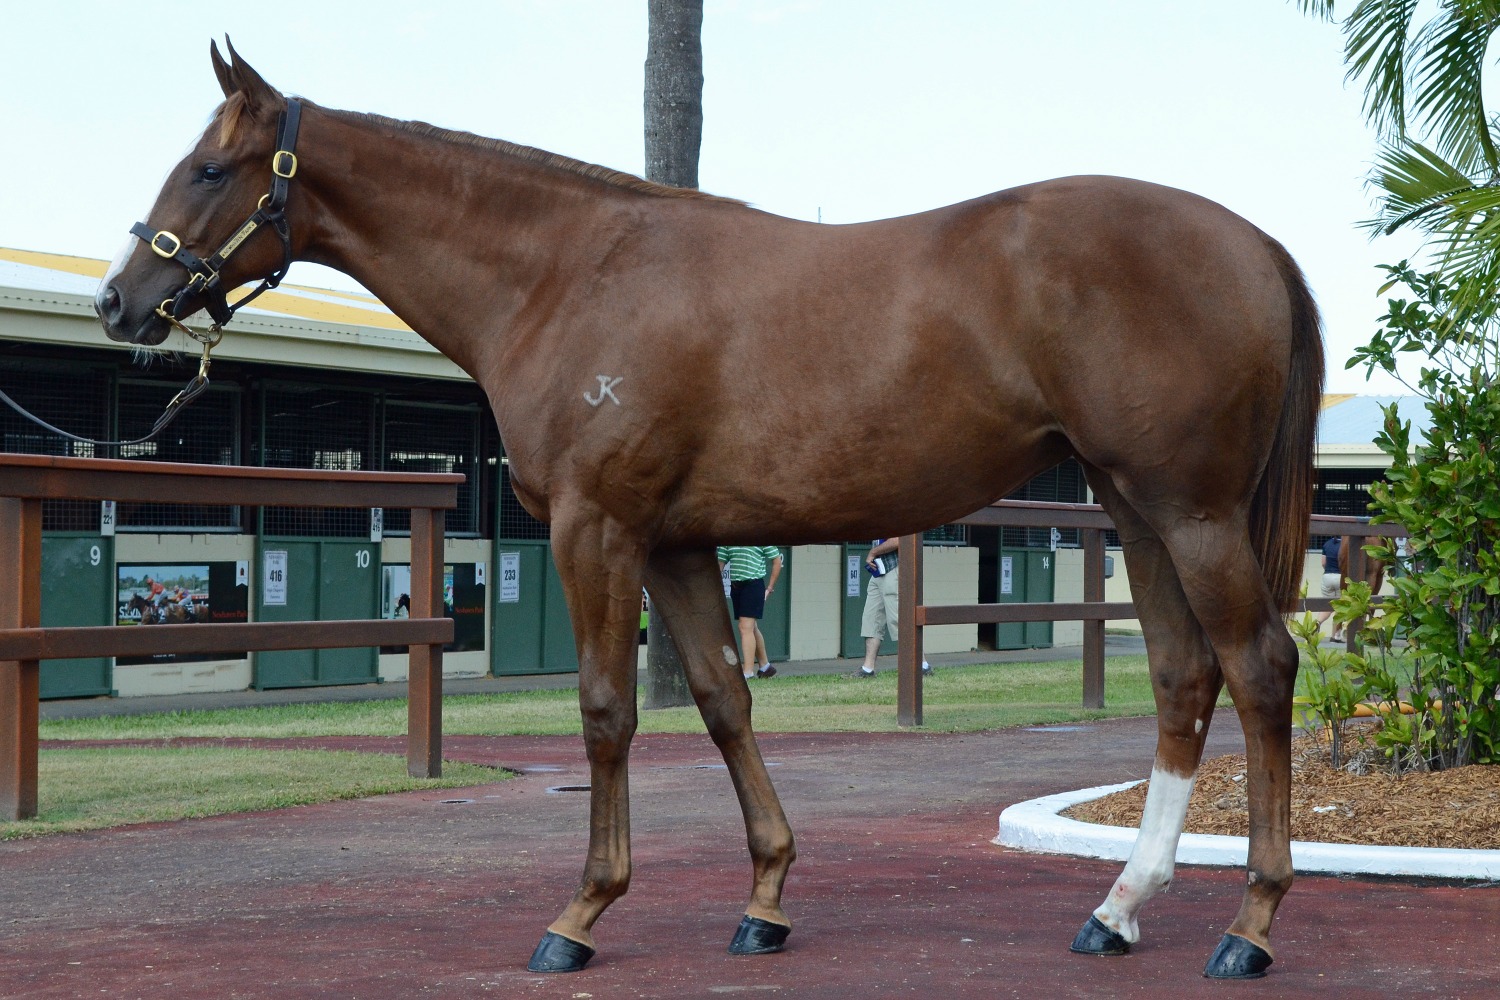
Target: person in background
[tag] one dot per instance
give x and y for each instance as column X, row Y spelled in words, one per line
column 1332, row 580
column 882, row 601
column 753, row 570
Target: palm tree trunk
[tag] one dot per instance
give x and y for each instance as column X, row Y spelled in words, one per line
column 674, row 132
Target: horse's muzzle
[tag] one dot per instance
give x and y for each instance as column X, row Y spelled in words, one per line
column 119, row 324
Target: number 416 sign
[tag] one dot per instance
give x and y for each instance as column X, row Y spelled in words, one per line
column 273, row 577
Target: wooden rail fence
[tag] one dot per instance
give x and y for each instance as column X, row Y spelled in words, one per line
column 1093, row 611
column 27, row 480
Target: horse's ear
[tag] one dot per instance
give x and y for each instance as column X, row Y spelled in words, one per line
column 221, row 68
column 236, row 75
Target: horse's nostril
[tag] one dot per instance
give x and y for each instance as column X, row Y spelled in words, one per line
column 108, row 304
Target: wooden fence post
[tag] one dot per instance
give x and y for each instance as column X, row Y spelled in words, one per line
column 1093, row 630
column 909, row 633
column 424, row 685
column 20, row 607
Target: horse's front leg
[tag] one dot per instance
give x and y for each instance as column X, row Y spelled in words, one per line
column 601, row 566
column 688, row 591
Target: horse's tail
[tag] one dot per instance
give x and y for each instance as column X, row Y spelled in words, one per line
column 1280, row 512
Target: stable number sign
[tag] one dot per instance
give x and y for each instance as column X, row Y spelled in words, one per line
column 273, row 578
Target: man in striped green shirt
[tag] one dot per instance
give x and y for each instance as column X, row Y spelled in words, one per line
column 753, row 570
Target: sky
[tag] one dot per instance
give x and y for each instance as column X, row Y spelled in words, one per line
column 832, row 110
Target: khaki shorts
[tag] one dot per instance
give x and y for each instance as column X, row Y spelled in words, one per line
column 1330, row 585
column 881, row 605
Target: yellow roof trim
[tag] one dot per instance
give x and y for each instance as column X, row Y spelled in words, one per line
column 1331, row 399
column 363, row 310
column 86, row 266
column 330, row 312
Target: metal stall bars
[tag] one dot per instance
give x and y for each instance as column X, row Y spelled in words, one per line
column 27, row 480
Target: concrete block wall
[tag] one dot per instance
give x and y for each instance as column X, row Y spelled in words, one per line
column 817, row 602
column 950, row 576
column 1068, row 586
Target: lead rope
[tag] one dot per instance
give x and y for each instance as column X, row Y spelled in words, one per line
column 189, row 392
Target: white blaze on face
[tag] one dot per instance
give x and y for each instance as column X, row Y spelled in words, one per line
column 1149, row 869
column 132, row 244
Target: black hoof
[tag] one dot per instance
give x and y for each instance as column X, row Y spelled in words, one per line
column 1097, row 939
column 556, row 953
column 758, row 937
column 1237, row 958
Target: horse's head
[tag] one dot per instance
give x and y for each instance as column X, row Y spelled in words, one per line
column 202, row 238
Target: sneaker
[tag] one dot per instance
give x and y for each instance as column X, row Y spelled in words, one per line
column 866, row 672
column 766, row 671
column 926, row 668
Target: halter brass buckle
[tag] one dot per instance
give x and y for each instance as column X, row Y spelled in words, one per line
column 159, row 251
column 276, row 164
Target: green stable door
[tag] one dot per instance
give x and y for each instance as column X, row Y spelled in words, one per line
column 532, row 631
column 323, row 579
column 78, row 588
column 1024, row 576
column 856, row 587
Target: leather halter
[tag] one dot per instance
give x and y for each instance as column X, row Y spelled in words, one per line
column 204, row 275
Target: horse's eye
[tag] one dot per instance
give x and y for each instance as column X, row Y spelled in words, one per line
column 211, row 173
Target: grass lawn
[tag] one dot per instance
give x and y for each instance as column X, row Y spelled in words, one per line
column 954, row 699
column 91, row 788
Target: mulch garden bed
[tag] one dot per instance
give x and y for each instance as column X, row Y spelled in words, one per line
column 1454, row 808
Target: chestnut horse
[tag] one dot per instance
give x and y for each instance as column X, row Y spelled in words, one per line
column 643, row 348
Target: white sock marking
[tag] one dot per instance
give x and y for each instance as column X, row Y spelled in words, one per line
column 1154, row 856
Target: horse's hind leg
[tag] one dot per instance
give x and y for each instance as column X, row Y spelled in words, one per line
column 687, row 589
column 1226, row 590
column 601, row 568
column 1185, row 681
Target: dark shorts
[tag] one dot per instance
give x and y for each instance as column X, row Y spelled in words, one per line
column 748, row 598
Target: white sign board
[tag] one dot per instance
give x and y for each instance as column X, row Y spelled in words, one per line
column 1007, row 581
column 273, row 578
column 377, row 523
column 106, row 518
column 851, row 577
column 510, row 578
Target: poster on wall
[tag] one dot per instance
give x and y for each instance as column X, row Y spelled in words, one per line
column 181, row 594
column 463, row 601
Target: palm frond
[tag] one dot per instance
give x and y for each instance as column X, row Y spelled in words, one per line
column 1458, row 217
column 1414, row 181
column 1377, row 39
column 1321, row 9
column 1449, row 81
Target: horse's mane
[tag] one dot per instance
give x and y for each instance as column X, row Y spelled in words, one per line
column 614, row 178
column 233, row 109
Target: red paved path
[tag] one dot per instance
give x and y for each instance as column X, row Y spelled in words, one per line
column 897, row 893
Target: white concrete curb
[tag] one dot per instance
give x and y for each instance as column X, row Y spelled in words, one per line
column 1036, row 826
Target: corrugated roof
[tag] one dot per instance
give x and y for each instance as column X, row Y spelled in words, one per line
column 1348, row 419
column 48, row 272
